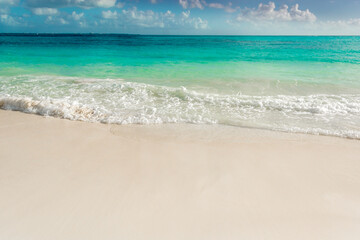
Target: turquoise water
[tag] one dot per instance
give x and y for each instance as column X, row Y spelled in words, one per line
column 293, row 84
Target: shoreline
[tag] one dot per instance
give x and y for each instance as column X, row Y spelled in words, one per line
column 187, row 125
column 62, row 179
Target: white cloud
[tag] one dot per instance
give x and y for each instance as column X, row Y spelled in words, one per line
column 4, row 10
column 301, row 16
column 161, row 20
column 201, row 4
column 145, row 18
column 193, row 4
column 8, row 20
column 169, row 15
column 196, row 23
column 200, row 23
column 268, row 12
column 70, row 3
column 120, row 4
column 9, row 2
column 63, row 21
column 109, row 14
column 97, row 3
column 352, row 21
column 77, row 16
column 342, row 27
column 44, row 11
column 49, row 19
column 153, row 1
column 216, row 5
column 133, row 17
column 197, row 4
column 184, row 3
column 227, row 8
column 56, row 20
column 185, row 15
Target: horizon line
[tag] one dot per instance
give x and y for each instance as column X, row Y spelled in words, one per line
column 139, row 34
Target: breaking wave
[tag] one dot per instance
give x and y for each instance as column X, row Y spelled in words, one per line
column 119, row 102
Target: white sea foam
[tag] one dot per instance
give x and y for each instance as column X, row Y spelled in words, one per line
column 120, row 102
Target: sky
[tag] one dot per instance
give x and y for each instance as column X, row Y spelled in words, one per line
column 200, row 17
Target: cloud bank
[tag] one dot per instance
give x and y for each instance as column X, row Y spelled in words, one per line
column 69, row 3
column 9, row 2
column 44, row 11
column 268, row 12
column 151, row 19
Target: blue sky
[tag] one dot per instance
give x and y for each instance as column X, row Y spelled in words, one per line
column 304, row 17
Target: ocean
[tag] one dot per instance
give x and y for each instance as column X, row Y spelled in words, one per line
column 301, row 84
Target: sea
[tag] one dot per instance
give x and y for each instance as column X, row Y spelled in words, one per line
column 298, row 84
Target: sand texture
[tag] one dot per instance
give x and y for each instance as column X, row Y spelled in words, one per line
column 68, row 180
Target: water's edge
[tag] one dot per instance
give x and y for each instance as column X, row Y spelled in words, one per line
column 133, row 103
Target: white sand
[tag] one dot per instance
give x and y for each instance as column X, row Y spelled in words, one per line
column 72, row 180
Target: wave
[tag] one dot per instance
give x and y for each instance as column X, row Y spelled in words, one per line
column 119, row 102
column 47, row 108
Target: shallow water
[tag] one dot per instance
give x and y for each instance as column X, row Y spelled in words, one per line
column 293, row 84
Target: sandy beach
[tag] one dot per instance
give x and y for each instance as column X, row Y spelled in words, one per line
column 62, row 179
